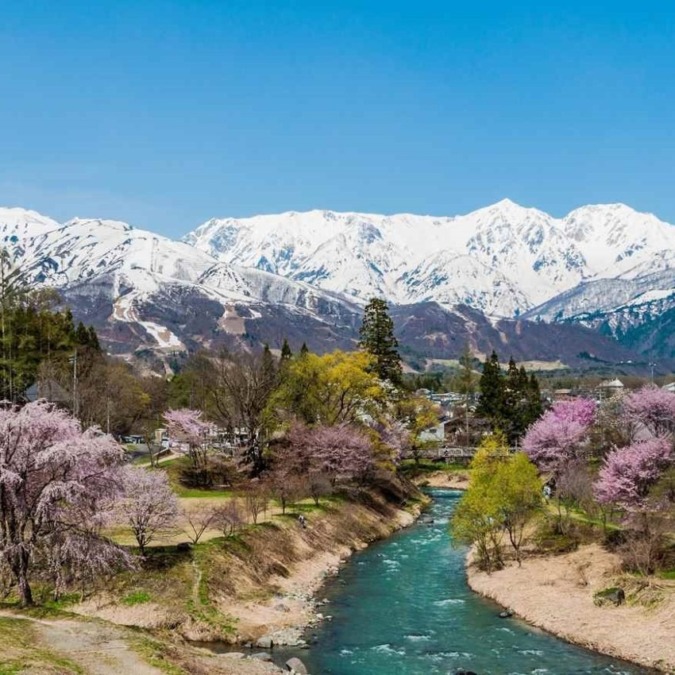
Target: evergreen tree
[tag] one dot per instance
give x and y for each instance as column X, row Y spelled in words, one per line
column 534, row 404
column 34, row 336
column 82, row 335
column 269, row 366
column 466, row 383
column 377, row 338
column 286, row 352
column 304, row 350
column 93, row 340
column 492, row 391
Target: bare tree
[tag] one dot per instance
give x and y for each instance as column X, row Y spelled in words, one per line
column 230, row 517
column 240, row 388
column 256, row 497
column 198, row 521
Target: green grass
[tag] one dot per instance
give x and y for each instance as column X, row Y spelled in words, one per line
column 154, row 653
column 136, row 598
column 667, row 574
column 191, row 493
column 582, row 517
column 173, row 471
column 202, row 608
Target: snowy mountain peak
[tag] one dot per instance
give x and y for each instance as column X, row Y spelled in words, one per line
column 408, row 258
column 100, row 222
column 24, row 222
column 504, row 260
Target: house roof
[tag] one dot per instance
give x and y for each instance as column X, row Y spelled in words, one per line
column 611, row 384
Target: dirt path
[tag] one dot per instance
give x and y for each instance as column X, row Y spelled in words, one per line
column 99, row 649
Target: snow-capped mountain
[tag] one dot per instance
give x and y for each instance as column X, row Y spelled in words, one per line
column 503, row 259
column 145, row 290
column 306, row 276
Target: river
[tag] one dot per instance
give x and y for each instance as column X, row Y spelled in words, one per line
column 402, row 607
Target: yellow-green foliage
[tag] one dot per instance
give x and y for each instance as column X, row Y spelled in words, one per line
column 330, row 389
column 503, row 494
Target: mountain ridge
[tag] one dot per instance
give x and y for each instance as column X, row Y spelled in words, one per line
column 266, row 277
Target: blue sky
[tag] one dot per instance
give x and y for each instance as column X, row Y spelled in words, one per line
column 165, row 114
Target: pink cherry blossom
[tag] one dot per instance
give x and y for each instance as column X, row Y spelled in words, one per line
column 57, row 484
column 628, row 473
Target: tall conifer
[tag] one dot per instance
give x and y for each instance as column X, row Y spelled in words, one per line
column 377, row 338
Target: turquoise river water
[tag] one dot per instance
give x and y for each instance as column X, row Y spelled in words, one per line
column 402, row 607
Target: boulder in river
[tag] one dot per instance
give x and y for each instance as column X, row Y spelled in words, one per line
column 262, row 656
column 265, row 643
column 295, row 665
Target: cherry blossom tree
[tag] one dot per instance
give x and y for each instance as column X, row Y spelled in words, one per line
column 148, row 505
column 57, row 484
column 628, row 473
column 339, row 452
column 187, row 427
column 559, row 436
column 653, row 408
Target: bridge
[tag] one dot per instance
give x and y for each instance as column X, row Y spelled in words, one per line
column 447, row 453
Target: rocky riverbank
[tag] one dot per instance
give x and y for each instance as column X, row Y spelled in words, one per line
column 282, row 618
column 556, row 593
column 258, row 587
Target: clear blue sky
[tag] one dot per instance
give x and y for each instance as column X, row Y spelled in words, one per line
column 164, row 114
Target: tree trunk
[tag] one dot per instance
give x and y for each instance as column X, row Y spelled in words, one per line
column 20, row 569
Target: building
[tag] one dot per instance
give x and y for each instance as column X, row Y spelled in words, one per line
column 609, row 388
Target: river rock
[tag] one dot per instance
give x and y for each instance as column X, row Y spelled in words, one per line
column 506, row 614
column 265, row 642
column 295, row 665
column 262, row 656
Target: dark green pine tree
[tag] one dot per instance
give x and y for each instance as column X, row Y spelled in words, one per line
column 269, row 365
column 516, row 402
column 535, row 408
column 492, row 392
column 465, row 380
column 93, row 339
column 304, row 350
column 286, row 352
column 377, row 337
column 82, row 335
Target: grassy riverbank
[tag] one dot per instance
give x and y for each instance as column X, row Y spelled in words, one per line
column 259, row 583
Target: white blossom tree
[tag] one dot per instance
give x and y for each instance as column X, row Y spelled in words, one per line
column 57, row 485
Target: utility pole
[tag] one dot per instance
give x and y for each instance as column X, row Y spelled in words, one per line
column 652, row 365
